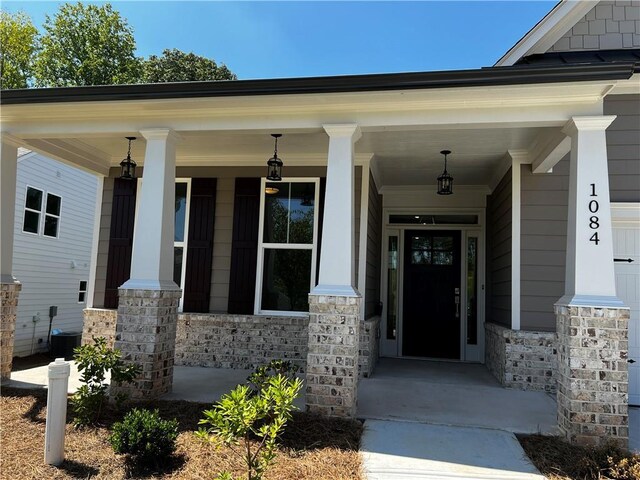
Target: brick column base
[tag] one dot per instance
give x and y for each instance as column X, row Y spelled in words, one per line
column 592, row 374
column 146, row 335
column 332, row 360
column 9, row 293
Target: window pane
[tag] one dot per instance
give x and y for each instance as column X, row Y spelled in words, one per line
column 472, row 288
column 81, row 296
column 177, row 265
column 276, row 213
column 181, row 211
column 301, row 216
column 31, row 220
column 392, row 288
column 442, row 258
column 430, row 219
column 442, row 243
column 421, row 257
column 83, row 285
column 53, row 204
column 50, row 226
column 421, row 243
column 285, row 280
column 34, row 199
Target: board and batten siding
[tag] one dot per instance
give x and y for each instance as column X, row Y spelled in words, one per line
column 357, row 207
column 545, row 206
column 50, row 269
column 374, row 249
column 499, row 215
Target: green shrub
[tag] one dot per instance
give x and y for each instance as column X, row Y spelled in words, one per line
column 249, row 423
column 145, row 436
column 259, row 378
column 94, row 361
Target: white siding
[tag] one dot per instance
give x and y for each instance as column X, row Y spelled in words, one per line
column 44, row 265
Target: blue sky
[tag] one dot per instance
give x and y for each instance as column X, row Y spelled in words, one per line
column 296, row 39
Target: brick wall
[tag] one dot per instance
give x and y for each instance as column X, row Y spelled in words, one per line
column 521, row 359
column 237, row 341
column 99, row 322
column 368, row 346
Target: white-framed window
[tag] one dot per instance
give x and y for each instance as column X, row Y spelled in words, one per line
column 181, row 229
column 287, row 245
column 37, row 219
column 82, row 291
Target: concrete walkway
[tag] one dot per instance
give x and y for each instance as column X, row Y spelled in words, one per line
column 394, row 450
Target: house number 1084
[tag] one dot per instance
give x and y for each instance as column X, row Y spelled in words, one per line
column 594, row 221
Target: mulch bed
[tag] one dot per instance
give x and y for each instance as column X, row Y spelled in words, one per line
column 559, row 460
column 312, row 447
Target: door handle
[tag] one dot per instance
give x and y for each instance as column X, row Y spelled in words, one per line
column 457, row 300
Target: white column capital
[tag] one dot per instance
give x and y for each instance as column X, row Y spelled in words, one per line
column 160, row 134
column 348, row 130
column 598, row 122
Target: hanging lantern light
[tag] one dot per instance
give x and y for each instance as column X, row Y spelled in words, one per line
column 274, row 164
column 128, row 166
column 445, row 180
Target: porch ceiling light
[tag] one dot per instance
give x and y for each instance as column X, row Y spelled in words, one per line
column 128, row 166
column 274, row 164
column 445, row 181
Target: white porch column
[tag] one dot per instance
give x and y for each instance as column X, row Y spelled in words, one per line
column 589, row 277
column 9, row 287
column 334, row 305
column 591, row 322
column 148, row 301
column 152, row 257
column 336, row 258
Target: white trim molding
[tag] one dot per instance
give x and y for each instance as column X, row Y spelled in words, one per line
column 517, row 159
column 548, row 31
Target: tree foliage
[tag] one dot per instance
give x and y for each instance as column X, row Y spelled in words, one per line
column 87, row 44
column 177, row 66
column 18, row 47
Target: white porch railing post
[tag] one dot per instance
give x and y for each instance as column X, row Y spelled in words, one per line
column 56, row 411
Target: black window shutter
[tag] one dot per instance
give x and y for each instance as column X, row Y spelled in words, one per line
column 202, row 213
column 244, row 246
column 123, row 212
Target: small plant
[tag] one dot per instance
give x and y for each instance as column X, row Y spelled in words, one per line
column 94, row 361
column 259, row 378
column 249, row 423
column 145, row 436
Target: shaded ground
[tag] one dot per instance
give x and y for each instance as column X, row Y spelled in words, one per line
column 312, row 447
column 36, row 360
column 559, row 460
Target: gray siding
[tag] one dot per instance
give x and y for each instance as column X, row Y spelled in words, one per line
column 374, row 241
column 499, row 253
column 609, row 25
column 51, row 269
column 623, row 147
column 357, row 204
column 103, row 243
column 544, row 238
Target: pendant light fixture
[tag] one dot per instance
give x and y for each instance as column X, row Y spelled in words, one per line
column 274, row 164
column 128, row 166
column 445, row 180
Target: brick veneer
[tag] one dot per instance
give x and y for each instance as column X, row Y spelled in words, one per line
column 592, row 374
column 146, row 333
column 240, row 341
column 332, row 361
column 9, row 293
column 99, row 322
column 368, row 346
column 521, row 359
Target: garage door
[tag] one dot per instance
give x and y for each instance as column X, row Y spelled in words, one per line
column 626, row 251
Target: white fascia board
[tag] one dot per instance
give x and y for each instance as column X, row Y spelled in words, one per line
column 548, row 30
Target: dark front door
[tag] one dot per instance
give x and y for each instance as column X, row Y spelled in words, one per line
column 431, row 309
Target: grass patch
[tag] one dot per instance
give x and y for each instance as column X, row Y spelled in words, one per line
column 312, row 447
column 559, row 460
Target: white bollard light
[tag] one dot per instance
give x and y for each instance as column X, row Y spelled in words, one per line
column 56, row 412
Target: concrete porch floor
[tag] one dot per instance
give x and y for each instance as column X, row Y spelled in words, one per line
column 450, row 393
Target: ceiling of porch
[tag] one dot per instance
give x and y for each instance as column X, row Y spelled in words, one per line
column 403, row 156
